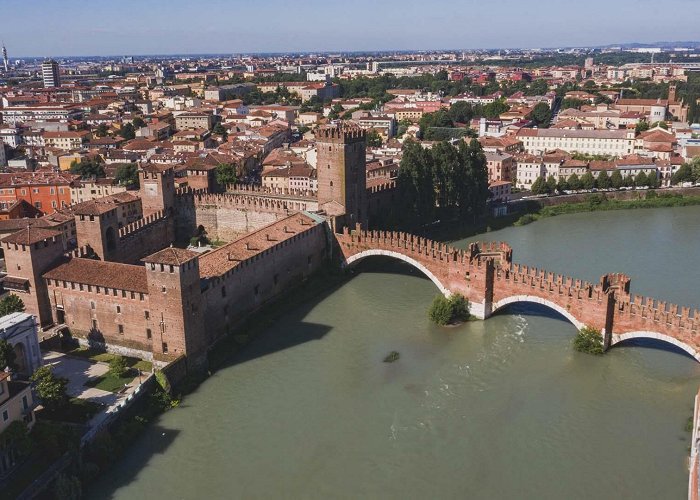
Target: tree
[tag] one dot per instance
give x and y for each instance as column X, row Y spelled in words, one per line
column 50, row 388
column 127, row 174
column 616, row 180
column 101, row 130
column 127, row 131
column 374, row 140
column 683, row 174
column 226, row 174
column 574, row 182
column 539, row 186
column 461, row 112
column 571, row 102
column 551, row 184
column 603, row 180
column 88, row 168
column 220, row 130
column 7, row 356
column 138, row 122
column 640, row 127
column 444, row 311
column 652, row 180
column 11, row 303
column 562, row 185
column 587, row 181
column 641, row 179
column 628, row 181
column 118, row 367
column 541, row 114
column 495, row 109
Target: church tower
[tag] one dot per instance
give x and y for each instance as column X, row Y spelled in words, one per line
column 341, row 172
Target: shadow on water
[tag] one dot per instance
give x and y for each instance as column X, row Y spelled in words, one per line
column 539, row 310
column 530, row 309
column 268, row 338
column 655, row 344
column 154, row 441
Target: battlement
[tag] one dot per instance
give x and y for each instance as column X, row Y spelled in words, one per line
column 271, row 191
column 381, row 188
column 658, row 310
column 252, row 202
column 82, row 252
column 141, row 224
column 341, row 133
column 532, row 277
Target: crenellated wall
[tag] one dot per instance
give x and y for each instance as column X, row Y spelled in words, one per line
column 144, row 237
column 229, row 215
column 485, row 274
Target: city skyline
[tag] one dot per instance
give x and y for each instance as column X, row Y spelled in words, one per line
column 331, row 27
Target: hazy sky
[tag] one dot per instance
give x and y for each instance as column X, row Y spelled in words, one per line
column 115, row 27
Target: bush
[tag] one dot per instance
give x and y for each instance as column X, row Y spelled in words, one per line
column 589, row 340
column 445, row 311
column 118, row 367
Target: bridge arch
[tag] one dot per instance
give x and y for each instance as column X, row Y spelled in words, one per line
column 617, row 338
column 513, row 299
column 353, row 259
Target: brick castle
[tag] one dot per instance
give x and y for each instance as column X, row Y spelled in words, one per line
column 126, row 287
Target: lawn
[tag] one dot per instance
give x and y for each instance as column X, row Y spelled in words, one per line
column 111, row 383
column 105, row 357
column 76, row 411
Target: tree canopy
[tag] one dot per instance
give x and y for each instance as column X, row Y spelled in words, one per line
column 11, row 303
column 444, row 181
column 226, row 174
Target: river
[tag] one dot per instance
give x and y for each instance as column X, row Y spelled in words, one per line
column 498, row 409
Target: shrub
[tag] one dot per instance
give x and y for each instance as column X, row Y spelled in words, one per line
column 444, row 311
column 589, row 340
column 118, row 367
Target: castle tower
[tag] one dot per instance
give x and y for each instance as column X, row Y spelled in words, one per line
column 175, row 299
column 341, row 171
column 97, row 226
column 157, row 188
column 30, row 253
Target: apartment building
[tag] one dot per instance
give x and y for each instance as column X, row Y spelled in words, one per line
column 594, row 142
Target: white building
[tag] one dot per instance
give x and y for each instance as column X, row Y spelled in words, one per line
column 595, row 142
column 20, row 330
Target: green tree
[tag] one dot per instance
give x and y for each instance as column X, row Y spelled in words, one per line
column 403, row 127
column 11, row 303
column 7, row 356
column 495, row 109
column 604, row 181
column 50, row 388
column 641, row 179
column 562, row 185
column 628, row 181
column 220, row 130
column 461, row 112
column 616, row 179
column 652, row 180
column 551, row 184
column 127, row 131
column 101, row 130
column 88, row 168
column 138, row 122
column 118, row 367
column 226, row 174
column 589, row 340
column 575, row 182
column 640, row 127
column 374, row 140
column 127, row 174
column 571, row 102
column 539, row 186
column 444, row 311
column 541, row 114
column 683, row 174
column 587, row 181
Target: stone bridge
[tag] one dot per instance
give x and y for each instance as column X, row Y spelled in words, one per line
column 486, row 275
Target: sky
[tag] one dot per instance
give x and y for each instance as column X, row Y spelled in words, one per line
column 52, row 28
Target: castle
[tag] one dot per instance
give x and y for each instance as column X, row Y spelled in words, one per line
column 127, row 288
